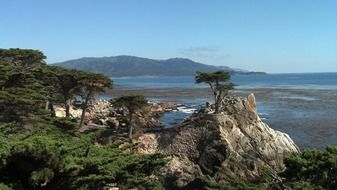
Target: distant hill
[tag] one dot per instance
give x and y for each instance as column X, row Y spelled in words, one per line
column 120, row 66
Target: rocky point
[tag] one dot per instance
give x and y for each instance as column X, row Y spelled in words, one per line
column 235, row 142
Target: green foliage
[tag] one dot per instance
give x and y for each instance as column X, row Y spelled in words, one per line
column 21, row 93
column 312, row 167
column 91, row 84
column 65, row 84
column 218, row 76
column 69, row 125
column 219, row 84
column 310, row 170
column 29, row 85
column 300, row 185
column 49, row 152
column 225, row 180
column 4, row 187
column 46, row 158
column 230, row 184
column 22, row 57
column 132, row 103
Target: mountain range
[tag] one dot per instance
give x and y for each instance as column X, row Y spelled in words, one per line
column 121, row 66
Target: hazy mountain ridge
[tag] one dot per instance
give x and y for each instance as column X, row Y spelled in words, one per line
column 120, row 66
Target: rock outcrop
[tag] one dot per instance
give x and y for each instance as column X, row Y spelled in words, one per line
column 232, row 143
column 102, row 113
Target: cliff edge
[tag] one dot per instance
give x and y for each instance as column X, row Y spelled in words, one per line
column 235, row 142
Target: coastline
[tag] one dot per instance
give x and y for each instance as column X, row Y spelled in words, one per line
column 307, row 115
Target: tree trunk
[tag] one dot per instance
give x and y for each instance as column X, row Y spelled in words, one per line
column 67, row 107
column 215, row 93
column 84, row 109
column 219, row 100
column 47, row 105
column 215, row 103
column 130, row 125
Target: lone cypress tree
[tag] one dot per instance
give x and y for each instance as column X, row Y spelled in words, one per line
column 220, row 84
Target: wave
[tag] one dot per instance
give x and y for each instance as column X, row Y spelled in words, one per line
column 186, row 109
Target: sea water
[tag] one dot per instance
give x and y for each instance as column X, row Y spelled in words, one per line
column 302, row 105
column 307, row 81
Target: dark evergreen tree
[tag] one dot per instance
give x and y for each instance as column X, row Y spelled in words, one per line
column 22, row 94
column 132, row 103
column 90, row 85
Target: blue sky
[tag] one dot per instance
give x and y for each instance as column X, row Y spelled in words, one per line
column 277, row 36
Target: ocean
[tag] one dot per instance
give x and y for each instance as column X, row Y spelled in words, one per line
column 301, row 105
column 310, row 80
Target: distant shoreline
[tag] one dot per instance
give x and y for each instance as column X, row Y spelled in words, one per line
column 157, row 76
column 234, row 74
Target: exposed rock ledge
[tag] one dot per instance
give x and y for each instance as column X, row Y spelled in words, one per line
column 235, row 142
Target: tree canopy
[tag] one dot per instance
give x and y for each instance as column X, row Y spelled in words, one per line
column 91, row 84
column 65, row 85
column 22, row 93
column 29, row 85
column 312, row 167
column 220, row 84
column 132, row 103
column 50, row 152
column 22, row 57
column 47, row 158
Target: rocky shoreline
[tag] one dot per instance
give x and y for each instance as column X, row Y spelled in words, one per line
column 102, row 113
column 235, row 142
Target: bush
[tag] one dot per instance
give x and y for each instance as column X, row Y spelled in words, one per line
column 4, row 187
column 66, row 124
column 312, row 168
column 46, row 158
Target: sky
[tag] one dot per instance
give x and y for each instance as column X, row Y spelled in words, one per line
column 275, row 36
